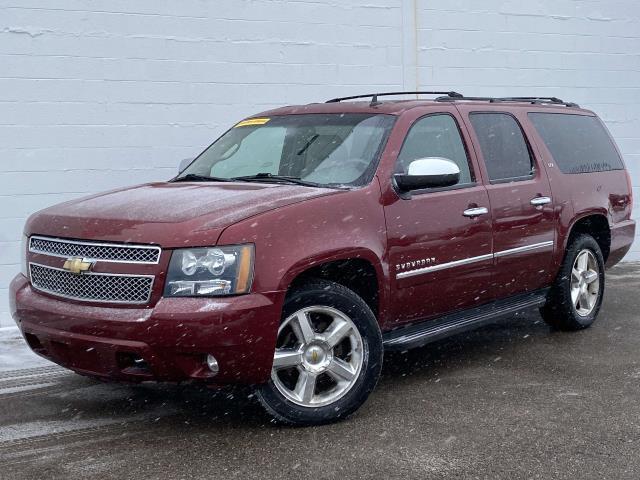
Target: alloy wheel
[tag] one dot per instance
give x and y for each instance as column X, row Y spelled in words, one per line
column 318, row 357
column 585, row 282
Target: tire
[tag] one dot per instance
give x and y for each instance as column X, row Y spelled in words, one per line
column 338, row 375
column 566, row 310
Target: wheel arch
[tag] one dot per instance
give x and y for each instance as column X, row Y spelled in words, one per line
column 360, row 271
column 595, row 224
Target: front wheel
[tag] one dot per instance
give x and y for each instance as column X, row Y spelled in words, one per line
column 575, row 298
column 328, row 356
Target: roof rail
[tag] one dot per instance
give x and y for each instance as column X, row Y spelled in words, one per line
column 455, row 96
column 532, row 100
column 374, row 96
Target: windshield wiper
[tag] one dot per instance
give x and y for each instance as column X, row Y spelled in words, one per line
column 269, row 177
column 192, row 177
column 308, row 144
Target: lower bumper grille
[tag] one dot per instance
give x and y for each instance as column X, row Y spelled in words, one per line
column 92, row 287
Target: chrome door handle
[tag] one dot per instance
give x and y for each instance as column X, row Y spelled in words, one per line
column 539, row 201
column 474, row 212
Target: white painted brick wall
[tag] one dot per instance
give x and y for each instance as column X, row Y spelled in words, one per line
column 100, row 93
column 584, row 51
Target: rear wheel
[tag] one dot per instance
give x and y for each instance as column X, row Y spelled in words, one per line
column 328, row 356
column 575, row 298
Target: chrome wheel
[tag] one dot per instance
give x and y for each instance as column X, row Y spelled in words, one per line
column 585, row 282
column 318, row 357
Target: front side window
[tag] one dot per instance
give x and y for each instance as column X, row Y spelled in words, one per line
column 578, row 143
column 504, row 148
column 325, row 149
column 435, row 136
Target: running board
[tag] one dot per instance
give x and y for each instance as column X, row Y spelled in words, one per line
column 422, row 333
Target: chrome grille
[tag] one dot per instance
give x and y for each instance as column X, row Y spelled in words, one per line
column 92, row 287
column 105, row 252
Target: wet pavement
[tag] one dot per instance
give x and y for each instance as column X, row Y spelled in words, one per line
column 511, row 400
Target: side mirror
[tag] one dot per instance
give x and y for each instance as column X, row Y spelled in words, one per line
column 184, row 164
column 431, row 172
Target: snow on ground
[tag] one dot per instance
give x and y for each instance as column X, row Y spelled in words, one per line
column 15, row 354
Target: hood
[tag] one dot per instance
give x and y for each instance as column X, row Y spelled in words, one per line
column 168, row 214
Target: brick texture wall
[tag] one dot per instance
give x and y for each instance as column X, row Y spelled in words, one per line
column 96, row 94
column 584, row 51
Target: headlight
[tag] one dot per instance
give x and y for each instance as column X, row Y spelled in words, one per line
column 23, row 256
column 210, row 272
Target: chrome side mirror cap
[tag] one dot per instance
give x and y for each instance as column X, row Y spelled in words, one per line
column 430, row 172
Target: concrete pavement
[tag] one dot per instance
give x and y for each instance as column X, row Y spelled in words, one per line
column 512, row 400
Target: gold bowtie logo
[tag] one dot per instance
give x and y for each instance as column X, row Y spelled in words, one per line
column 77, row 265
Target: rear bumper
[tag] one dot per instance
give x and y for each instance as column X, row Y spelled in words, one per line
column 622, row 235
column 170, row 341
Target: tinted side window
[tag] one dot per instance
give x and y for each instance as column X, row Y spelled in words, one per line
column 435, row 136
column 578, row 144
column 503, row 146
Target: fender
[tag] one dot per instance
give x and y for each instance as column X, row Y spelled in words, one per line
column 602, row 212
column 295, row 238
column 381, row 269
column 565, row 233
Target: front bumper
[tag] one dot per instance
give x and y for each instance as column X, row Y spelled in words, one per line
column 168, row 342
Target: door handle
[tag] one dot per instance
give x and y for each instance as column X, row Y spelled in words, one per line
column 474, row 212
column 539, row 201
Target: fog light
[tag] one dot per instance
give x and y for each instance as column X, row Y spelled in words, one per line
column 212, row 363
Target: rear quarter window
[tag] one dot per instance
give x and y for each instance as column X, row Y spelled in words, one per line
column 578, row 143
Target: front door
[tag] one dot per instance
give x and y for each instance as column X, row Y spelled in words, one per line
column 521, row 202
column 440, row 245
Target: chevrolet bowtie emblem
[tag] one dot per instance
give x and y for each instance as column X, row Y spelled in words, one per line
column 77, row 265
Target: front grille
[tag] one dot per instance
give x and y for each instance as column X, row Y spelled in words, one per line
column 92, row 287
column 95, row 251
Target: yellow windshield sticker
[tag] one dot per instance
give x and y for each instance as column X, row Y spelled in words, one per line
column 252, row 121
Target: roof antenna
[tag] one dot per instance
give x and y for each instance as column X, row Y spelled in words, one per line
column 374, row 100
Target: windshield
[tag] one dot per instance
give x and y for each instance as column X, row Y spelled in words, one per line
column 326, row 149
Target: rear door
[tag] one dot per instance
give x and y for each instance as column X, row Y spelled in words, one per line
column 522, row 207
column 439, row 249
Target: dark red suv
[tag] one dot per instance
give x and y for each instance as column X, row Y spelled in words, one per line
column 307, row 240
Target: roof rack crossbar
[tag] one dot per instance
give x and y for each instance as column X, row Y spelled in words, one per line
column 374, row 96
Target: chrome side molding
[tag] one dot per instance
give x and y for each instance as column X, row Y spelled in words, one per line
column 480, row 258
column 526, row 248
column 442, row 266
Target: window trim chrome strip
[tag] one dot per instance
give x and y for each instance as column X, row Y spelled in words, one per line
column 92, row 274
column 95, row 244
column 467, row 261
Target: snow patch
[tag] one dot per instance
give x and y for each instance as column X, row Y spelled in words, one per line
column 15, row 353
